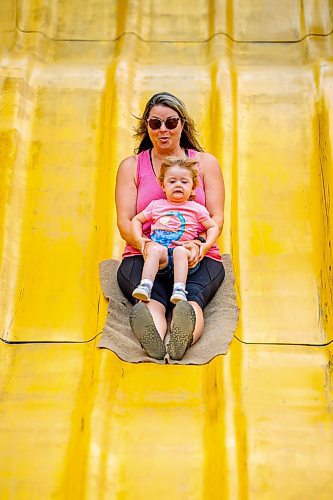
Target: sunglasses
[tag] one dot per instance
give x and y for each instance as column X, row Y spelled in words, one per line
column 170, row 123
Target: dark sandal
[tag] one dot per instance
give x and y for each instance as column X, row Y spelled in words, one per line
column 182, row 329
column 144, row 329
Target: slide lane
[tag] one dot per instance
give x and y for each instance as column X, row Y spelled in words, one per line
column 80, row 423
column 77, row 422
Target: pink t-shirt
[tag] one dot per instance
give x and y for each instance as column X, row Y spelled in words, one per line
column 175, row 221
column 149, row 189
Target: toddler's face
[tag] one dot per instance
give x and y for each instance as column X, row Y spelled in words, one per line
column 178, row 184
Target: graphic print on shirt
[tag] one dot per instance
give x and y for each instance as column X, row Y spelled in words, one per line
column 170, row 227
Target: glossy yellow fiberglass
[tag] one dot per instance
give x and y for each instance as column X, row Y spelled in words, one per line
column 76, row 422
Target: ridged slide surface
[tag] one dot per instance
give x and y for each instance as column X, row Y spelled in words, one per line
column 76, row 422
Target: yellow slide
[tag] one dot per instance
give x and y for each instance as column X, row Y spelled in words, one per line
column 78, row 423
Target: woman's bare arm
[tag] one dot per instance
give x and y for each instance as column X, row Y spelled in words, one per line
column 212, row 233
column 126, row 195
column 138, row 236
column 214, row 187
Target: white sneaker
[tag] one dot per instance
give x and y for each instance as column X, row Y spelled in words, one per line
column 177, row 295
column 142, row 292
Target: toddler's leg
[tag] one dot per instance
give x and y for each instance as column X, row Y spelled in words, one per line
column 157, row 257
column 180, row 269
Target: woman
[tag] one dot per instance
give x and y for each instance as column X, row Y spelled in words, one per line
column 165, row 129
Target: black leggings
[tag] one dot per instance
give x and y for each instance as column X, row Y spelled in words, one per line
column 200, row 285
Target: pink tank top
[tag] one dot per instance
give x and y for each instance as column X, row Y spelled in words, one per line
column 149, row 189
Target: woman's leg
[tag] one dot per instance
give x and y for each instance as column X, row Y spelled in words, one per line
column 188, row 320
column 157, row 310
column 203, row 285
column 144, row 328
column 129, row 276
column 182, row 328
column 199, row 321
column 148, row 324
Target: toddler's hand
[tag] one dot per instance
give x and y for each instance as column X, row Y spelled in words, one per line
column 142, row 243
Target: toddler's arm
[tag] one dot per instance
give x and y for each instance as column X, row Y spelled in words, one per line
column 136, row 223
column 212, row 233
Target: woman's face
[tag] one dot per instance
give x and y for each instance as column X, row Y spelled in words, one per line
column 163, row 138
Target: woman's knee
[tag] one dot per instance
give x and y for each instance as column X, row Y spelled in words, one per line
column 129, row 275
column 204, row 283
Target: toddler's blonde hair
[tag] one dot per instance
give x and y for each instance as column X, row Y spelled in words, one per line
column 182, row 162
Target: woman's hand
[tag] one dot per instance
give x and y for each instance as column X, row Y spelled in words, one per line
column 193, row 248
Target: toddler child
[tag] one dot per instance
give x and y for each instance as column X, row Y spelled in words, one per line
column 176, row 218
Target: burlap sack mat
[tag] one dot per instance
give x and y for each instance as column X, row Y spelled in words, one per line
column 221, row 316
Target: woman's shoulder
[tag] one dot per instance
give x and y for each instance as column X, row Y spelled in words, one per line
column 135, row 162
column 129, row 162
column 128, row 166
column 208, row 163
column 206, row 158
column 127, row 170
column 203, row 157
